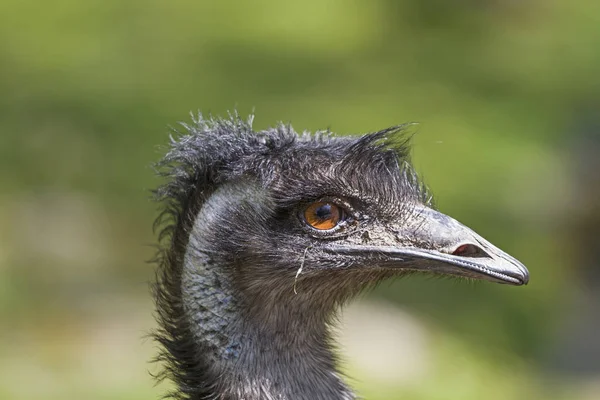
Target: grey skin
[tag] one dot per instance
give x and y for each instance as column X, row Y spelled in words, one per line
column 247, row 290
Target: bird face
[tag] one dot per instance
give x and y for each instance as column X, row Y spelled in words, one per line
column 424, row 240
column 342, row 234
column 353, row 207
column 275, row 207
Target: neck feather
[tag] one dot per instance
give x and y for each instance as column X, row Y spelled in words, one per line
column 249, row 337
column 265, row 350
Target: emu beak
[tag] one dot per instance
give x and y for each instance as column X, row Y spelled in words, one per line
column 434, row 242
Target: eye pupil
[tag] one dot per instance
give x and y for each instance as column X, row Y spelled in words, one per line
column 322, row 215
column 324, row 211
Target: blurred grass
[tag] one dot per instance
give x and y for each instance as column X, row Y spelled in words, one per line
column 87, row 90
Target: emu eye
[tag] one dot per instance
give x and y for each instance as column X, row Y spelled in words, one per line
column 323, row 216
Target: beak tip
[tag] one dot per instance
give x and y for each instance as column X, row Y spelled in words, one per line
column 522, row 274
column 525, row 278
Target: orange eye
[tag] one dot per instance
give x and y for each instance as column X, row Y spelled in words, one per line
column 323, row 216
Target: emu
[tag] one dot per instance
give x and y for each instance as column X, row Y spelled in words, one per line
column 264, row 235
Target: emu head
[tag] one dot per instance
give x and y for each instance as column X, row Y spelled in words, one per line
column 266, row 233
column 308, row 219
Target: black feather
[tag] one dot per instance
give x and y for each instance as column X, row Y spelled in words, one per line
column 373, row 171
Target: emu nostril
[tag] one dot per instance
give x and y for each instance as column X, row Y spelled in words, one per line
column 469, row 250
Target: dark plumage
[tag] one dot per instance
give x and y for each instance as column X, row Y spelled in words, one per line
column 249, row 282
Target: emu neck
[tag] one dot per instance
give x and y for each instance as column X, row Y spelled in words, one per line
column 261, row 347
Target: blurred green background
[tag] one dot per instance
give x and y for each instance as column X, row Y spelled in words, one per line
column 507, row 94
